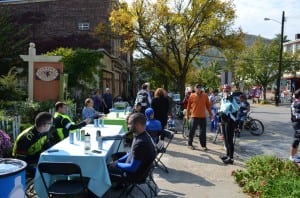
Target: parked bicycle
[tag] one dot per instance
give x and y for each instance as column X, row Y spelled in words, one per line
column 254, row 126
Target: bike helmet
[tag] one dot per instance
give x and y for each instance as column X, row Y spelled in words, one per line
column 226, row 87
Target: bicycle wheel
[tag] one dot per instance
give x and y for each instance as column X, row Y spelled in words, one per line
column 256, row 127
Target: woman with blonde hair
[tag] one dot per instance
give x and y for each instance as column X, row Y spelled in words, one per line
column 88, row 110
column 160, row 105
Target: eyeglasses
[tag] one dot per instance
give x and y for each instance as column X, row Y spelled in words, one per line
column 49, row 123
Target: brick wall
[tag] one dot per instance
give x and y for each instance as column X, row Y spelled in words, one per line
column 59, row 18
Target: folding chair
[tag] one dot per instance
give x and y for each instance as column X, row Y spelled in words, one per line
column 155, row 135
column 62, row 187
column 147, row 178
column 162, row 148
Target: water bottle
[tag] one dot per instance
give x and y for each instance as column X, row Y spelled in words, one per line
column 101, row 121
column 87, row 143
column 71, row 137
column 96, row 123
column 99, row 139
column 82, row 134
column 77, row 135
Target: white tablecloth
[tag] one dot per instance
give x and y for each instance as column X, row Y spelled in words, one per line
column 92, row 165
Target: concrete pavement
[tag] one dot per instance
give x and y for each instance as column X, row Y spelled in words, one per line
column 194, row 173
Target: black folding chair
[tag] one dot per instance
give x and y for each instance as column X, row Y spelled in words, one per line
column 147, row 179
column 62, row 187
column 162, row 148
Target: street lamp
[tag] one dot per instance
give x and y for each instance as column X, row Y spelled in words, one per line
column 277, row 94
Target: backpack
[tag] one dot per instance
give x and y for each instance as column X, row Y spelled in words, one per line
column 142, row 97
column 295, row 111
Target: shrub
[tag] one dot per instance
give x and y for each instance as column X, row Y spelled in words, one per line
column 5, row 144
column 269, row 176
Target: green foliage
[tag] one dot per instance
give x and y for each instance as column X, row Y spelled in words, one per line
column 171, row 37
column 13, row 42
column 81, row 65
column 9, row 87
column 27, row 110
column 268, row 176
column 208, row 76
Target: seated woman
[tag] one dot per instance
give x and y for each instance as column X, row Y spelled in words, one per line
column 153, row 127
column 88, row 110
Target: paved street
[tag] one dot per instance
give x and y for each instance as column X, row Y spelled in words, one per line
column 196, row 173
column 202, row 174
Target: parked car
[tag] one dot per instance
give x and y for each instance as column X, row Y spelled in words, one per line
column 176, row 98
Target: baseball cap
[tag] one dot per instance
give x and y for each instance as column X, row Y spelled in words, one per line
column 149, row 111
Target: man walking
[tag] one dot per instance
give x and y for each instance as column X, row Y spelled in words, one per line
column 143, row 97
column 197, row 104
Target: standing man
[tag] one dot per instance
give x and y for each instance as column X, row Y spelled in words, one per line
column 107, row 97
column 150, row 93
column 197, row 104
column 31, row 142
column 143, row 97
column 228, row 117
column 99, row 102
column 63, row 123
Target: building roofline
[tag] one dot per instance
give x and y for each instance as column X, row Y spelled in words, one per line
column 291, row 42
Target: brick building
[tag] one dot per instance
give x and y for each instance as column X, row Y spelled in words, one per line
column 71, row 23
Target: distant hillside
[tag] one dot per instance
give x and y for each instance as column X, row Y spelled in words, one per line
column 250, row 39
column 213, row 54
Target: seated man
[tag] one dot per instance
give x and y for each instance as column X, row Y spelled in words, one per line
column 132, row 165
column 31, row 142
column 63, row 123
column 153, row 126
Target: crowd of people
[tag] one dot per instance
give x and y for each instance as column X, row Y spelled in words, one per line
column 151, row 114
column 156, row 109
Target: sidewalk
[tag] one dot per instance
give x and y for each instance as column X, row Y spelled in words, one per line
column 195, row 173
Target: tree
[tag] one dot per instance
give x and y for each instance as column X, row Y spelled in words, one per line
column 173, row 34
column 9, row 87
column 13, row 42
column 81, row 66
column 259, row 64
column 208, row 76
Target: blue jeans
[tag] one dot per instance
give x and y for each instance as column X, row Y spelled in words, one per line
column 214, row 122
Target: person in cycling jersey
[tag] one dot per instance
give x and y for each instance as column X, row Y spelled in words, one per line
column 243, row 111
column 295, row 118
column 31, row 142
column 228, row 117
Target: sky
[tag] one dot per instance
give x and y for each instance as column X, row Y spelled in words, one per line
column 251, row 13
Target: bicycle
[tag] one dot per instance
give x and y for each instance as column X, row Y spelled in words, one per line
column 177, row 111
column 254, row 126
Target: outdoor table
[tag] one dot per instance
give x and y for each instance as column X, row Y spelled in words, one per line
column 117, row 118
column 93, row 166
